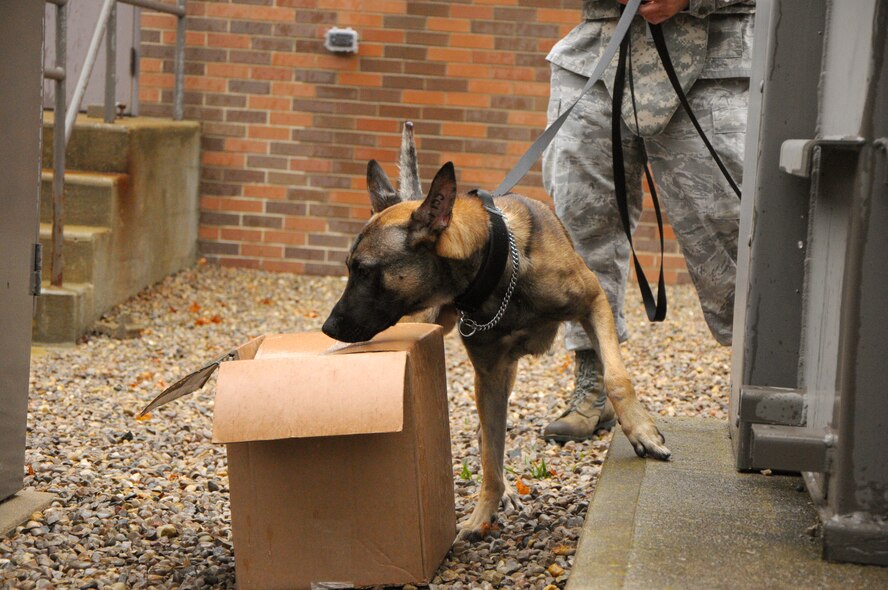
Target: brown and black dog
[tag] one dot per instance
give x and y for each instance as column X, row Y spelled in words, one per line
column 415, row 256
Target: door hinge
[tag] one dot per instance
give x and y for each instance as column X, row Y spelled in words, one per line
column 134, row 62
column 36, row 270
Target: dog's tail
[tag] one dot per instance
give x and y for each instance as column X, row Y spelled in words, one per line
column 408, row 175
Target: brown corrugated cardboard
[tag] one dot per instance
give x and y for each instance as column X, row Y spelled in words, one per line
column 339, row 457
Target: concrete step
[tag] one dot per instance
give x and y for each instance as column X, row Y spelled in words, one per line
column 94, row 145
column 63, row 313
column 695, row 522
column 86, row 251
column 130, row 219
column 91, row 198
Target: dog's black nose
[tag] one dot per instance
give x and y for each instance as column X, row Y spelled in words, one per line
column 330, row 327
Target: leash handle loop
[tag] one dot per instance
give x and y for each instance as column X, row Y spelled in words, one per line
column 656, row 310
column 660, row 44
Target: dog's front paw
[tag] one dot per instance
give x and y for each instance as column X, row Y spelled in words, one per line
column 471, row 533
column 476, row 526
column 648, row 441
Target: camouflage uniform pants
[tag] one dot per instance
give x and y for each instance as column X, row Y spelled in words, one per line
column 703, row 211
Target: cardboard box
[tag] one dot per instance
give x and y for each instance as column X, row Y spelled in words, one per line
column 339, row 460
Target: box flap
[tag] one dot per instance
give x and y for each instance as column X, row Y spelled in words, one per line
column 398, row 337
column 307, row 395
column 194, row 381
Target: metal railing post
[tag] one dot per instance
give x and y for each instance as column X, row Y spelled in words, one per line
column 178, row 91
column 111, row 66
column 58, row 147
column 88, row 65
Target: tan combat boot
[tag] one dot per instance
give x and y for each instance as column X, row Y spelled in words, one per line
column 590, row 411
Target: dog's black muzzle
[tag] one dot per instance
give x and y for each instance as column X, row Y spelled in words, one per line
column 355, row 323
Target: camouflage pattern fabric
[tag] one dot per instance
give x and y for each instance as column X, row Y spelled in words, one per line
column 703, row 211
column 599, row 9
column 715, row 47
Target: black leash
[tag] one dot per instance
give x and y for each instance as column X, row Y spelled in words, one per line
column 656, row 310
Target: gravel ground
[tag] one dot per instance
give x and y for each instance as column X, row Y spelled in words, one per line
column 145, row 504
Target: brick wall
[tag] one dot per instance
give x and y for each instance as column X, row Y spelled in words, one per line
column 288, row 127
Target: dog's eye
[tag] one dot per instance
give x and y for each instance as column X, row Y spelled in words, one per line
column 359, row 269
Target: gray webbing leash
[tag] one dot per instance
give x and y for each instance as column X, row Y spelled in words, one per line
column 533, row 154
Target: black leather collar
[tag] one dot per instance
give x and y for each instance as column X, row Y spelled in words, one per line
column 495, row 257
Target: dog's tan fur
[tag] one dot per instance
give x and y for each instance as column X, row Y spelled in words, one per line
column 415, row 257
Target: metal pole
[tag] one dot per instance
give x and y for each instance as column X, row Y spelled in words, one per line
column 59, row 141
column 178, row 91
column 156, row 5
column 91, row 54
column 111, row 66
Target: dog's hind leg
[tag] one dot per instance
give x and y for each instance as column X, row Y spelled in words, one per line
column 493, row 383
column 634, row 419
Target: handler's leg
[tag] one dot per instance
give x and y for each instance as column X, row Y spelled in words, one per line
column 702, row 208
column 578, row 175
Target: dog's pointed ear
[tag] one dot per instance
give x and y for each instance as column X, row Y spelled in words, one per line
column 382, row 194
column 408, row 165
column 433, row 216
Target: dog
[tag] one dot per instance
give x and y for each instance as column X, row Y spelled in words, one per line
column 416, row 255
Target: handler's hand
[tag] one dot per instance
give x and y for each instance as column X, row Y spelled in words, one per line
column 658, row 11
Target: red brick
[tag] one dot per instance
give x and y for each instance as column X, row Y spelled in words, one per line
column 288, row 127
column 227, row 40
column 282, row 266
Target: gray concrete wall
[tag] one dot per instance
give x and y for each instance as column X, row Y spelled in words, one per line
column 155, row 233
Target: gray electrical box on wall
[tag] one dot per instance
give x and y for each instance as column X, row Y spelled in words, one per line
column 341, row 40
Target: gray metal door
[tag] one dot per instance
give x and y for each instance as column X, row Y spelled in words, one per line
column 82, row 16
column 21, row 77
column 808, row 391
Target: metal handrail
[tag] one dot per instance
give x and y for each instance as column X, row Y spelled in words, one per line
column 65, row 117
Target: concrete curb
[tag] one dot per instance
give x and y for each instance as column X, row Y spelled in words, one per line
column 18, row 509
column 695, row 522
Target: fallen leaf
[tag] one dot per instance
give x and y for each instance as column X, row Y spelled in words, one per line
column 563, row 550
column 555, row 570
column 194, row 307
column 522, row 487
column 201, row 321
column 202, row 261
column 173, row 309
column 311, row 314
column 266, row 301
column 144, row 376
column 162, row 384
column 216, row 319
column 143, row 417
column 30, row 469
